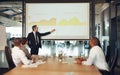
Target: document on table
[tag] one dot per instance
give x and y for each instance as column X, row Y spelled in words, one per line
column 33, row 65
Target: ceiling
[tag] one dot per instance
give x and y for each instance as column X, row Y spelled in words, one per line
column 99, row 7
column 11, row 12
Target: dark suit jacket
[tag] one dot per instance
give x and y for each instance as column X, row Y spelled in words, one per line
column 31, row 39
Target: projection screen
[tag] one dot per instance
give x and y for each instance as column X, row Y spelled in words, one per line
column 71, row 20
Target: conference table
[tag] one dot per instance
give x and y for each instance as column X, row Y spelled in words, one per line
column 55, row 68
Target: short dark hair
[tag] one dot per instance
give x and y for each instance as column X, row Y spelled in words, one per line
column 34, row 26
column 96, row 41
column 24, row 40
column 17, row 41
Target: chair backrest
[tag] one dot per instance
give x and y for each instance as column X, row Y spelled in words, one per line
column 108, row 54
column 114, row 60
column 9, row 57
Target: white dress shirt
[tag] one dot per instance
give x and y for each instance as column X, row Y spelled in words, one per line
column 19, row 57
column 36, row 38
column 34, row 34
column 97, row 58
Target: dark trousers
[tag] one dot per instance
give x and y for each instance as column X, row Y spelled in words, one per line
column 34, row 50
column 104, row 72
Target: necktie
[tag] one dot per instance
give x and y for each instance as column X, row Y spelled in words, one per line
column 35, row 34
column 36, row 38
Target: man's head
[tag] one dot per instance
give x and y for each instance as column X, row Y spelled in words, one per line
column 35, row 28
column 17, row 42
column 94, row 41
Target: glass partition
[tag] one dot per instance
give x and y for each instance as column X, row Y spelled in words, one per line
column 11, row 19
column 66, row 47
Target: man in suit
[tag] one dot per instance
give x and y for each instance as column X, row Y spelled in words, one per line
column 34, row 39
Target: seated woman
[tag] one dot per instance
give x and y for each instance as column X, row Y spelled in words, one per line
column 18, row 55
column 24, row 47
column 96, row 57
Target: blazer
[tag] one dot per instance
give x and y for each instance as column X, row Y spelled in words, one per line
column 31, row 39
column 25, row 50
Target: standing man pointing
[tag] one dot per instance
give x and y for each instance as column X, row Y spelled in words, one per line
column 34, row 39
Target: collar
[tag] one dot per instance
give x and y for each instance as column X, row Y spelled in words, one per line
column 16, row 47
column 34, row 32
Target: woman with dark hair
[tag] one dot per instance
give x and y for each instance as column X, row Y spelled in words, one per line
column 24, row 46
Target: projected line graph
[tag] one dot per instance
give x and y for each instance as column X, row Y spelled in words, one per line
column 73, row 21
column 63, row 22
column 43, row 22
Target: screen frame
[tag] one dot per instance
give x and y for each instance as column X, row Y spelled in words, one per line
column 61, row 3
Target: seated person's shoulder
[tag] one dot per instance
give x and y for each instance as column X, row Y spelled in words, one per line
column 20, row 52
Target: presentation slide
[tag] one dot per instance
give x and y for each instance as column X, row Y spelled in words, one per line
column 70, row 20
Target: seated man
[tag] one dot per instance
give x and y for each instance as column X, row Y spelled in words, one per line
column 96, row 57
column 18, row 55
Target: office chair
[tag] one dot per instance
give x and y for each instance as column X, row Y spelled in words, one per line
column 113, row 62
column 9, row 58
column 108, row 54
